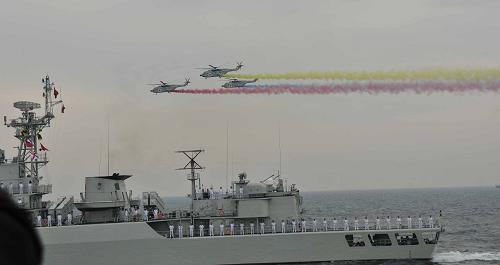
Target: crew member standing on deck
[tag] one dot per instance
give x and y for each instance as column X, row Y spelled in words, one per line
column 202, row 230
column 409, row 222
column 180, row 231
column 211, row 229
column 304, row 228
column 431, row 222
column 294, row 226
column 346, row 224
column 171, row 229
column 252, row 229
column 242, row 229
column 221, row 228
column 283, row 228
column 356, row 223
column 378, row 224
column 69, row 219
column 261, row 228
column 126, row 215
column 388, row 220
column 315, row 229
column 367, row 225
column 191, row 230
column 420, row 222
column 273, row 227
column 232, row 228
column 398, row 222
column 21, row 188
column 334, row 223
column 145, row 217
column 325, row 224
column 39, row 220
column 49, row 220
column 155, row 214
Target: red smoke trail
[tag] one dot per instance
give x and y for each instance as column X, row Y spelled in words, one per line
column 418, row 87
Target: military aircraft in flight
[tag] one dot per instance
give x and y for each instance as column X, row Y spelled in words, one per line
column 233, row 82
column 165, row 87
column 215, row 71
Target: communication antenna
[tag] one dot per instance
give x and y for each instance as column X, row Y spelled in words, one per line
column 193, row 176
column 108, row 146
column 227, row 153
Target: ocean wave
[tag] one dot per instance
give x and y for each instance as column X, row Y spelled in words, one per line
column 457, row 256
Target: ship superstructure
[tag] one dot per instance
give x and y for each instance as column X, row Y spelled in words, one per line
column 20, row 176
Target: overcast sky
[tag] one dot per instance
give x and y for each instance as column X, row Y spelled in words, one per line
column 102, row 53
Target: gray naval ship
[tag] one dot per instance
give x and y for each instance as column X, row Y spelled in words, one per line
column 251, row 223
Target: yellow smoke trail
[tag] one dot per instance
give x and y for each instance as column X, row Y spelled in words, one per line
column 430, row 74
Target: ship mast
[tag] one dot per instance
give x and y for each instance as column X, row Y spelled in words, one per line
column 28, row 131
column 193, row 176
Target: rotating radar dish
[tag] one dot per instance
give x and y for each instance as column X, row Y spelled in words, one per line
column 26, row 105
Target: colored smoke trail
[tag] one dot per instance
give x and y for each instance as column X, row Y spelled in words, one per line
column 356, row 87
column 431, row 74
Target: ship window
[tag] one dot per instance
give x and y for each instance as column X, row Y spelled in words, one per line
column 355, row 240
column 117, row 186
column 406, row 239
column 380, row 240
column 430, row 237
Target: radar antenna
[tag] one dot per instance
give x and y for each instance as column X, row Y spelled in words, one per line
column 193, row 176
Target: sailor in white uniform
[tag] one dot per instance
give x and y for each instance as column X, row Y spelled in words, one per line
column 38, row 220
column 356, row 223
column 261, row 228
column 420, row 222
column 252, row 228
column 11, row 188
column 294, row 226
column 69, row 219
column 388, row 220
column 334, row 223
column 21, row 188
column 221, row 229
column 346, row 224
column 409, row 222
column 242, row 229
column 431, row 221
column 179, row 228
column 191, row 230
column 398, row 222
column 126, row 215
column 283, row 227
column 30, row 187
column 367, row 225
column 315, row 228
column 325, row 225
column 202, row 232
column 231, row 228
column 211, row 229
column 49, row 220
column 145, row 217
column 378, row 224
column 303, row 225
column 273, row 227
column 171, row 230
column 59, row 220
column 155, row 214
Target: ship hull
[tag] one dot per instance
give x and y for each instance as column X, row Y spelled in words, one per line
column 138, row 243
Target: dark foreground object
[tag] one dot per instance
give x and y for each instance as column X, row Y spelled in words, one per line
column 19, row 243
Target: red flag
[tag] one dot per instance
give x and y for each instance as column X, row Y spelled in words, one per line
column 63, row 108
column 33, row 155
column 28, row 144
column 56, row 93
column 43, row 148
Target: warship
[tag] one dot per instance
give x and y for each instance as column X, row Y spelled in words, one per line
column 249, row 223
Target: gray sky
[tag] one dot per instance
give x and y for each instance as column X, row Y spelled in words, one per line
column 102, row 53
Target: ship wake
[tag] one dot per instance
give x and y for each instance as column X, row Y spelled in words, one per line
column 457, row 256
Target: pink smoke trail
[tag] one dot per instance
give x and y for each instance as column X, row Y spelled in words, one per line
column 418, row 87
